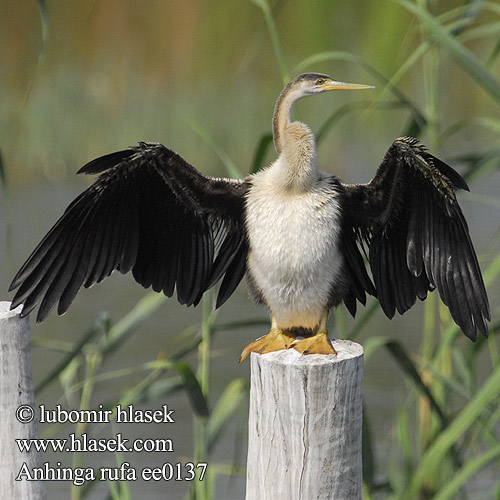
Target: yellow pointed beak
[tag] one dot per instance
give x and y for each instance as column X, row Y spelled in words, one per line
column 333, row 85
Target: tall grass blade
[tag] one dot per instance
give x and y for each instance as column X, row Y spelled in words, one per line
column 488, row 395
column 155, row 390
column 482, row 31
column 193, row 389
column 227, row 404
column 275, row 39
column 399, row 354
column 3, row 173
column 467, row 60
column 123, row 328
column 405, row 443
column 371, row 344
column 470, row 468
column 99, row 324
column 118, row 490
column 44, row 14
column 229, row 165
column 364, row 320
column 136, row 393
column 494, row 55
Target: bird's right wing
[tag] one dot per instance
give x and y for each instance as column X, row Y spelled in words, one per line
column 149, row 212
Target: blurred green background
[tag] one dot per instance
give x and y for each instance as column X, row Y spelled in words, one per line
column 114, row 72
column 82, row 78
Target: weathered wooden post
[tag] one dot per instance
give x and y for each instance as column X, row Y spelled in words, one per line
column 16, row 399
column 304, row 437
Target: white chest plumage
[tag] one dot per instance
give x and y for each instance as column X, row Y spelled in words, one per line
column 294, row 258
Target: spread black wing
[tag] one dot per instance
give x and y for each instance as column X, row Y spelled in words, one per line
column 418, row 240
column 149, row 212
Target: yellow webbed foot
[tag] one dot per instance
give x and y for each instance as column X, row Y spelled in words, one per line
column 316, row 344
column 319, row 343
column 275, row 340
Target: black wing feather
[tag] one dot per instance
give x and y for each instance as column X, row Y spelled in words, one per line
column 418, row 239
column 151, row 213
column 234, row 273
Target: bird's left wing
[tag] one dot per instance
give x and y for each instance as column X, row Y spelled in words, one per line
column 149, row 212
column 418, row 239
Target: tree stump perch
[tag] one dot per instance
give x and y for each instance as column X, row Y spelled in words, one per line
column 16, row 389
column 305, row 425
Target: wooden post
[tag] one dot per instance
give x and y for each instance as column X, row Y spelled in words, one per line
column 16, row 390
column 304, row 438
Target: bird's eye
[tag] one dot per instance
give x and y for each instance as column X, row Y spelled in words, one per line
column 320, row 81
